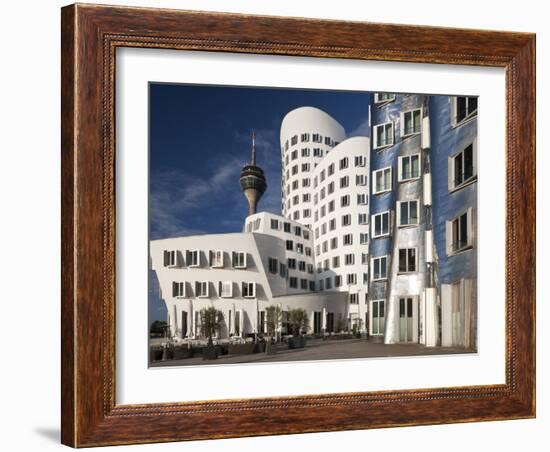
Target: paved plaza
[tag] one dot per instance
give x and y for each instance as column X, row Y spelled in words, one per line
column 322, row 350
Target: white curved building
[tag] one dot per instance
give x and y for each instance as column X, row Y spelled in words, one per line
column 307, row 136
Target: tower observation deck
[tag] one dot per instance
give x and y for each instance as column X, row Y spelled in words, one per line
column 253, row 182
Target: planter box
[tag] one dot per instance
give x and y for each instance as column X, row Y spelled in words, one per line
column 241, row 349
column 167, row 353
column 259, row 347
column 271, row 349
column 209, row 353
column 155, row 354
column 297, row 342
column 183, row 352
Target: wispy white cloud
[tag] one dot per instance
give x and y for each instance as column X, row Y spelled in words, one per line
column 363, row 129
column 177, row 194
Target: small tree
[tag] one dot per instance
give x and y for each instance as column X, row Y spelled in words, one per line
column 211, row 322
column 298, row 321
column 158, row 327
column 273, row 318
column 340, row 324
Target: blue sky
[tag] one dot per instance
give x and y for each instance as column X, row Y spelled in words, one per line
column 199, row 139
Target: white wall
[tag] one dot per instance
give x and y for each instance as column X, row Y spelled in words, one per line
column 29, row 178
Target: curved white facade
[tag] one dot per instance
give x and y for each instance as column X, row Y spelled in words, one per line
column 307, row 136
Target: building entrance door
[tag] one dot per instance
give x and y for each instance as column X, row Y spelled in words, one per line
column 184, row 324
column 317, row 322
column 406, row 306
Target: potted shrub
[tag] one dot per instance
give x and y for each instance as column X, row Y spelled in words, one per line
column 211, row 322
column 298, row 323
column 273, row 320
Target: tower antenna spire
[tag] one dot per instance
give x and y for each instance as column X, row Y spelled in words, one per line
column 253, row 161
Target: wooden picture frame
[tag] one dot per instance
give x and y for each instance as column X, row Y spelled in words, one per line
column 90, row 36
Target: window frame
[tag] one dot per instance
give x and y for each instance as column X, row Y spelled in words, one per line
column 376, row 144
column 375, row 191
column 407, row 270
column 403, row 132
column 373, row 269
column 451, row 182
column 398, row 213
column 373, row 224
column 400, row 160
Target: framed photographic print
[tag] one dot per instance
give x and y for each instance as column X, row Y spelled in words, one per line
column 279, row 225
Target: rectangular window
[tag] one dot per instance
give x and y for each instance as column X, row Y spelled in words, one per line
column 291, row 263
column 293, row 282
column 294, row 140
column 193, row 258
column 178, row 289
column 302, row 266
column 409, row 167
column 378, row 317
column 365, row 281
column 317, row 138
column 332, row 224
column 330, row 169
column 303, row 284
column 294, row 170
column 353, row 298
column 322, row 176
column 382, row 180
column 305, row 167
column 325, row 246
column 216, row 258
column 317, row 152
column 274, row 224
column 306, row 197
column 310, row 268
column 305, row 152
column 239, row 259
column 411, row 122
column 330, row 188
column 344, row 201
column 360, row 179
column 300, row 248
column 286, row 227
column 337, row 281
column 335, row 262
column 362, row 199
column 331, row 205
column 346, row 220
column 360, row 160
column 289, row 245
column 381, row 224
column 464, row 108
column 344, row 163
column 273, row 265
column 249, row 289
column 407, row 213
column 462, row 167
column 308, row 251
column 297, row 230
column 383, row 135
column 170, row 258
column 363, row 238
column 365, row 258
column 294, row 156
column 379, row 268
column 304, row 137
column 381, row 98
column 226, row 289
column 351, row 278
column 349, row 259
column 328, row 283
column 348, row 239
column 201, row 289
column 344, row 182
column 407, row 260
column 460, row 232
column 282, row 270
column 363, row 218
column 326, row 265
